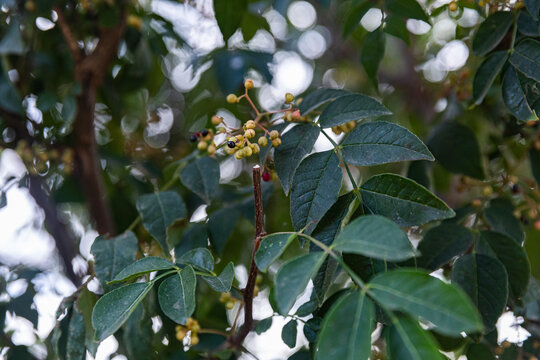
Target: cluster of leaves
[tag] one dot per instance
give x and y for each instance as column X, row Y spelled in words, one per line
column 352, row 215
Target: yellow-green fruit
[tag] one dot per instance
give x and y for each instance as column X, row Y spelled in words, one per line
column 487, row 191
column 477, row 203
column 230, row 151
column 248, row 84
column 249, row 134
column 247, row 151
column 134, row 21
column 453, row 6
column 229, row 305
column 216, row 120
column 250, row 124
column 224, row 297
column 231, row 98
column 194, row 340
column 274, row 134
column 30, row 6
column 276, row 142
column 238, row 155
column 212, row 149
column 289, row 98
column 336, row 130
column 255, row 148
column 263, row 141
column 181, row 333
column 202, row 145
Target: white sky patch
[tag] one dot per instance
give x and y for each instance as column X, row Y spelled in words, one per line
column 301, row 14
column 372, row 19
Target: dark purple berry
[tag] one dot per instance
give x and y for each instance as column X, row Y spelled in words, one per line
column 204, row 132
column 192, row 138
column 231, row 144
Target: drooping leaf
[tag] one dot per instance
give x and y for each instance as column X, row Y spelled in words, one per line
column 293, row 277
column 372, row 54
column 513, row 257
column 499, row 215
column 296, row 144
column 141, row 267
column 315, row 188
column 526, row 58
column 350, row 108
column 159, row 211
column 319, row 97
column 515, row 98
column 176, row 295
column 410, row 9
column 402, row 200
column 202, row 177
column 406, row 340
column 289, row 332
column 463, row 159
column 112, row 255
column 442, row 243
column 271, row 248
column 421, row 295
column 200, row 258
column 223, row 282
column 380, row 142
column 486, row 74
column 85, row 304
column 346, row 329
column 375, row 236
column 397, row 26
column 114, row 308
column 485, row 281
column 229, row 15
column 491, row 32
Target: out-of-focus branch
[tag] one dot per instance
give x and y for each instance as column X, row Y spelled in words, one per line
column 71, row 42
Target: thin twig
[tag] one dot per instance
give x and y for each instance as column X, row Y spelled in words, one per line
column 68, row 35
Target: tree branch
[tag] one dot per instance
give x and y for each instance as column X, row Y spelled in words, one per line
column 237, row 340
column 76, row 52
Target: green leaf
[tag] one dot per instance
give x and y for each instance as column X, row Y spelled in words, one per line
column 114, row 308
column 229, row 15
column 141, row 267
column 293, row 277
column 380, row 142
column 533, row 6
column 85, row 304
column 513, row 257
column 271, row 248
column 307, row 308
column 319, row 97
column 346, row 329
column 159, row 211
column 10, row 99
column 137, row 335
column 289, row 332
column 3, row 199
column 500, row 216
column 75, row 348
column 442, row 243
column 354, row 14
column 463, row 159
column 112, row 255
column 296, row 144
column 485, row 280
column 421, row 295
column 486, row 74
column 479, row 352
column 351, row 108
column 397, row 26
column 402, row 200
column 372, row 54
column 526, row 58
column 200, row 258
column 176, row 295
column 410, row 9
column 12, row 43
column 264, row 325
column 315, row 188
column 223, row 282
column 194, row 236
column 251, row 23
column 515, row 98
column 406, row 340
column 375, row 236
column 534, row 159
column 221, row 225
column 491, row 32
column 202, row 177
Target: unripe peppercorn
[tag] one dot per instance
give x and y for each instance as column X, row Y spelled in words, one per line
column 211, row 149
column 274, row 134
column 230, row 151
column 216, row 120
column 263, row 141
column 249, row 134
column 477, row 203
column 487, row 191
column 276, row 142
column 453, row 6
column 194, row 340
column 250, row 124
column 248, row 84
column 289, row 98
column 255, row 148
column 239, row 155
column 247, row 151
column 231, row 98
column 229, row 305
column 202, row 145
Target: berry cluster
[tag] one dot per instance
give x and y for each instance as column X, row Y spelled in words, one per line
column 192, row 327
column 205, row 139
column 344, row 128
column 38, row 159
